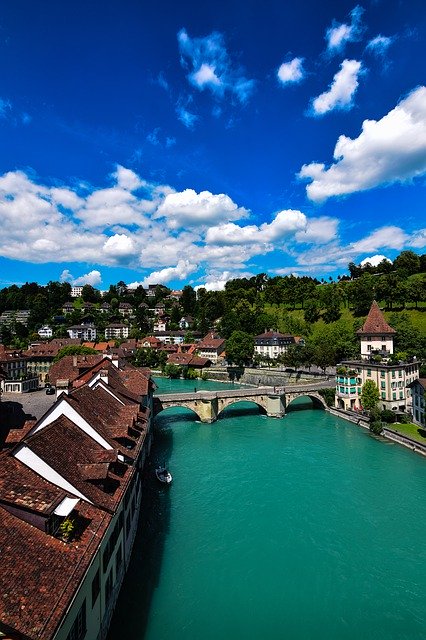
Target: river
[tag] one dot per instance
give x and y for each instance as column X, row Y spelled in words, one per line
column 302, row 528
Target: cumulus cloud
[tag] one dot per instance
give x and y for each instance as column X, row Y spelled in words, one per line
column 390, row 237
column 190, row 208
column 181, row 271
column 374, row 260
column 216, row 280
column 342, row 89
column 389, row 150
column 291, row 72
column 339, row 34
column 318, row 230
column 210, row 66
column 93, row 278
column 119, row 246
column 285, row 223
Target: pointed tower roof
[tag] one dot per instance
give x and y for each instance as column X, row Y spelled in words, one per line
column 375, row 323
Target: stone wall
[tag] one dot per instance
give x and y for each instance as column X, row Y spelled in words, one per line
column 263, row 377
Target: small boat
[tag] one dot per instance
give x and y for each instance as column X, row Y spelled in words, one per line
column 163, row 475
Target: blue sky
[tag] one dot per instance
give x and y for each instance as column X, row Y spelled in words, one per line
column 187, row 142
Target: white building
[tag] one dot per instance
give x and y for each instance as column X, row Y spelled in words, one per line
column 391, row 378
column 116, row 330
column 45, row 332
column 76, row 292
column 272, row 343
column 82, row 332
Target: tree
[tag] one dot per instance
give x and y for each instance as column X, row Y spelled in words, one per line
column 172, row 370
column 188, row 300
column 89, row 294
column 370, row 395
column 311, row 312
column 407, row 263
column 240, row 348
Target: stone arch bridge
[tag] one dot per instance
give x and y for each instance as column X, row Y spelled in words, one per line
column 209, row 404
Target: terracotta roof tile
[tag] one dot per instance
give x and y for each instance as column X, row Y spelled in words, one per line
column 375, row 323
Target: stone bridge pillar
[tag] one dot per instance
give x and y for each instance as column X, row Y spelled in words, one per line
column 275, row 405
column 207, row 409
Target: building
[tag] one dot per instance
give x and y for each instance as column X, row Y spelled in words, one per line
column 82, row 332
column 186, row 322
column 392, row 378
column 70, row 489
column 159, row 325
column 76, row 292
column 418, row 393
column 150, row 343
column 116, row 330
column 272, row 343
column 67, row 307
column 125, row 309
column 40, row 357
column 10, row 318
column 211, row 347
column 105, row 307
column 188, row 360
column 13, row 363
column 45, row 332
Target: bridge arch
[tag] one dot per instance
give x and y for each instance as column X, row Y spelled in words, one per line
column 228, row 402
column 316, row 399
column 159, row 409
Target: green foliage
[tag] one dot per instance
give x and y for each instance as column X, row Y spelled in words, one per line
column 73, row 350
column 328, row 395
column 388, row 416
column 67, row 528
column 172, row 370
column 240, row 348
column 376, row 427
column 312, row 311
column 370, row 395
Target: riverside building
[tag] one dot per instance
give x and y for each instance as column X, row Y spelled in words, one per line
column 377, row 363
column 70, row 489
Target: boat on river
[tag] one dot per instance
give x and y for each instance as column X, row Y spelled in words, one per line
column 163, row 475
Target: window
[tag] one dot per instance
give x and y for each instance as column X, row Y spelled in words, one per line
column 78, row 629
column 382, row 374
column 369, row 372
column 394, row 396
column 383, row 385
column 383, row 395
column 96, row 587
column 118, row 560
column 401, row 395
column 393, row 374
column 108, row 586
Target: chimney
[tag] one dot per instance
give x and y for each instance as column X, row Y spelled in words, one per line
column 74, row 361
column 103, row 374
column 62, row 386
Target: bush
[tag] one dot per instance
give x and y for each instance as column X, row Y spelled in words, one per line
column 388, row 416
column 328, row 395
column 376, row 427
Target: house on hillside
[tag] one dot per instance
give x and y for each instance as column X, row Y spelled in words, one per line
column 418, row 395
column 272, row 343
column 117, row 330
column 393, row 378
column 82, row 332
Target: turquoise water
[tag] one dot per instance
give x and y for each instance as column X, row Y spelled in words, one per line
column 301, row 528
column 167, row 385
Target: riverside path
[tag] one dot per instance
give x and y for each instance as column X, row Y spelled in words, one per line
column 209, row 404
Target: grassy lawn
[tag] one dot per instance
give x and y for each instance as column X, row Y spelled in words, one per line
column 411, row 430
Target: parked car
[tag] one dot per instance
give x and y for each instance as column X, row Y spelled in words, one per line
column 50, row 391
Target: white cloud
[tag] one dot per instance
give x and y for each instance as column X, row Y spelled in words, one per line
column 390, row 237
column 127, row 179
column 389, row 150
column 418, row 239
column 181, row 271
column 318, row 230
column 341, row 91
column 216, row 280
column 93, row 278
column 190, row 208
column 284, row 224
column 186, row 117
column 339, row 34
column 374, row 260
column 291, row 72
column 210, row 66
column 380, row 44
column 119, row 246
column 204, row 76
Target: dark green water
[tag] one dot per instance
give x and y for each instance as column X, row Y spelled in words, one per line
column 301, row 528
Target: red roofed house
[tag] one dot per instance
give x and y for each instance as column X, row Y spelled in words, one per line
column 392, row 378
column 70, row 489
column 211, row 347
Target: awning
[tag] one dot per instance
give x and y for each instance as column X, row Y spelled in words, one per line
column 65, row 507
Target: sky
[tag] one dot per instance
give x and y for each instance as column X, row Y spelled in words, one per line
column 191, row 143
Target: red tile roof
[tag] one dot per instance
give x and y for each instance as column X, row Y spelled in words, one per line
column 375, row 323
